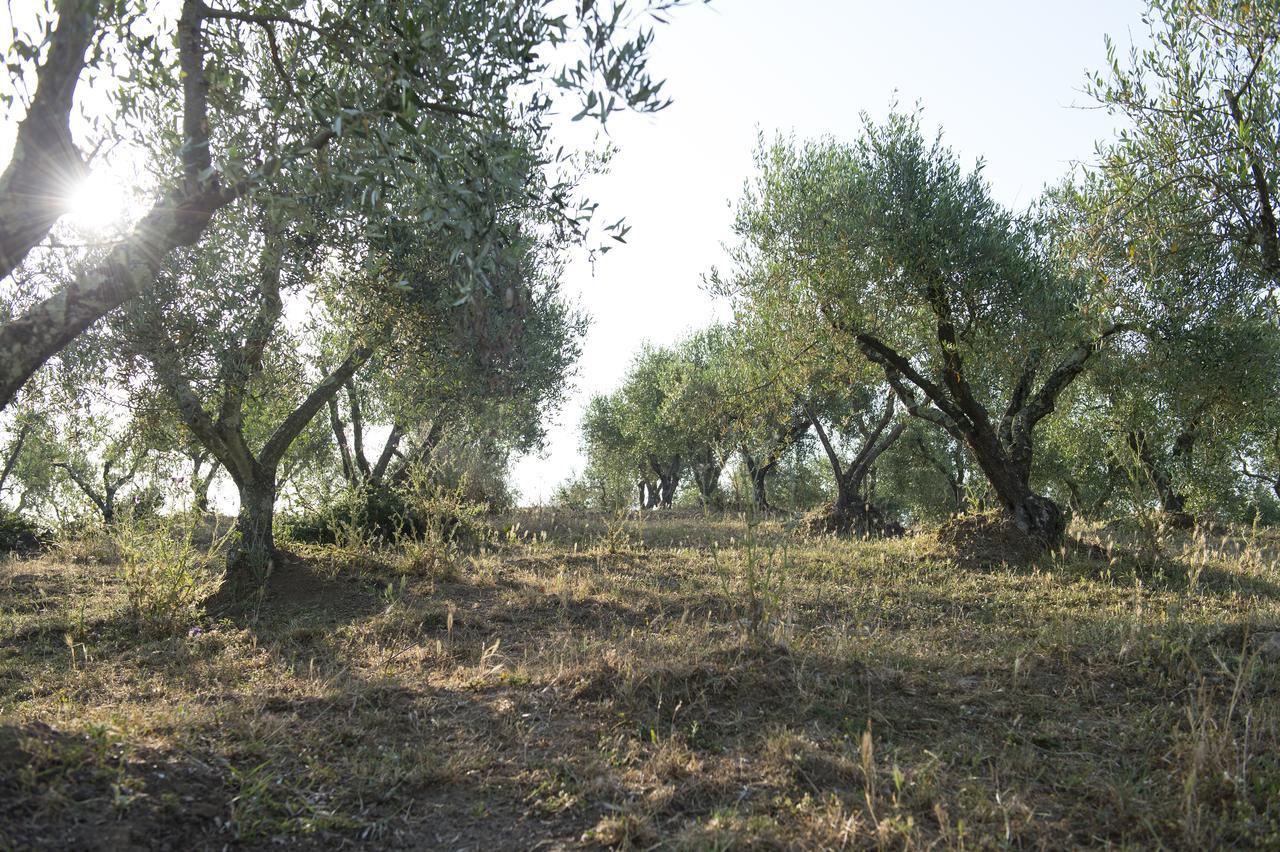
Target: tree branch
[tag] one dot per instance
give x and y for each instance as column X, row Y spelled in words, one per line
column 14, row 453
column 880, row 353
column 1071, row 366
column 293, row 425
column 45, row 164
column 388, row 451
column 84, row 486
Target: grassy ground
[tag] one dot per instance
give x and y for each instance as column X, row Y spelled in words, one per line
column 681, row 683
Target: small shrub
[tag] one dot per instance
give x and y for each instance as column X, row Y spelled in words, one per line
column 420, row 508
column 759, row 596
column 19, row 534
column 164, row 573
column 438, row 514
column 617, row 537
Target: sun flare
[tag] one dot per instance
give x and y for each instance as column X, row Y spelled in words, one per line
column 99, row 204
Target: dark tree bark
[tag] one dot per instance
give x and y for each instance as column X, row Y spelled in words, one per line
column 851, row 510
column 668, row 473
column 1173, row 504
column 418, row 456
column 389, row 449
column 254, row 475
column 250, row 559
column 667, row 490
column 1003, row 450
column 759, row 475
column 357, row 432
column 45, row 165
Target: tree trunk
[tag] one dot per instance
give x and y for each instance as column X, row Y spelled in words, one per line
column 667, row 485
column 46, row 165
column 109, row 507
column 14, row 453
column 340, row 437
column 1172, row 503
column 1034, row 514
column 708, row 482
column 200, row 496
column 758, row 474
column 249, row 561
column 759, row 487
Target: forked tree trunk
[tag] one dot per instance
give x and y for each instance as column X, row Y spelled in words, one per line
column 667, row 485
column 1034, row 514
column 109, row 507
column 1172, row 502
column 668, row 480
column 851, row 512
column 708, row 482
column 1003, row 448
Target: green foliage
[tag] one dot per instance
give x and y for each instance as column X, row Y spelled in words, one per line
column 1198, row 159
column 755, row 578
column 423, row 508
column 166, row 572
column 594, row 490
column 672, row 416
column 19, row 534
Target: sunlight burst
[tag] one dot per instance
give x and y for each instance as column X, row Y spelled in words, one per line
column 98, row 204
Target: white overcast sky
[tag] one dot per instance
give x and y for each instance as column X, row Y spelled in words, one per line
column 1003, row 79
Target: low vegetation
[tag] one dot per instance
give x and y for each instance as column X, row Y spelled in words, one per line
column 689, row 683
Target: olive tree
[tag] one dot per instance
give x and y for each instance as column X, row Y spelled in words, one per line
column 768, row 417
column 497, row 402
column 908, row 260
column 223, row 103
column 1201, row 142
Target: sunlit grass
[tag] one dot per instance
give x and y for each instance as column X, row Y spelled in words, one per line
column 616, row 681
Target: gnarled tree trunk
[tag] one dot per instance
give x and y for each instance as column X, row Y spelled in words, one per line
column 250, row 559
column 667, row 485
column 1003, row 449
column 851, row 512
column 1173, row 504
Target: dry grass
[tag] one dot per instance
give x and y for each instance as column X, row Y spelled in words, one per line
column 677, row 683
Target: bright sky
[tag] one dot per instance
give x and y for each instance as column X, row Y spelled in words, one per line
column 1003, row 78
